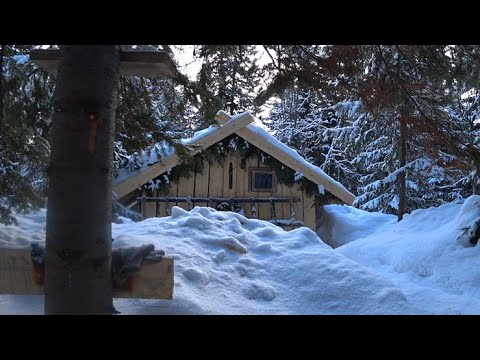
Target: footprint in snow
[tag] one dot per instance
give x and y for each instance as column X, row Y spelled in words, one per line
column 196, row 276
column 256, row 291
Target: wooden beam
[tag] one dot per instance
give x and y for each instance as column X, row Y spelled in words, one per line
column 278, row 153
column 151, row 172
column 132, row 63
column 17, row 276
column 243, row 200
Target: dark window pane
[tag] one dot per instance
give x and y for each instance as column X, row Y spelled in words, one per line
column 263, row 181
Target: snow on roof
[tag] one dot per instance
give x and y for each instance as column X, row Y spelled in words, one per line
column 158, row 151
column 295, row 155
column 256, row 134
column 124, row 183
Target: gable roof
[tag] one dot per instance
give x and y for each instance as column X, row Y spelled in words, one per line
column 242, row 126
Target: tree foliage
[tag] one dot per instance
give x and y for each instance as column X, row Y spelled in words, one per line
column 25, row 122
column 341, row 106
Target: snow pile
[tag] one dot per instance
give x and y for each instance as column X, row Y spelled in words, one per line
column 339, row 225
column 227, row 264
column 422, row 256
column 30, row 229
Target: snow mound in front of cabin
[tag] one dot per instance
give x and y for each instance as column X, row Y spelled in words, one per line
column 228, row 264
column 340, row 224
column 30, row 229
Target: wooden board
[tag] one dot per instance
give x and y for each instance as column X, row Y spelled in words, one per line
column 294, row 163
column 249, row 162
column 173, row 192
column 162, row 207
column 284, row 207
column 153, row 281
column 309, row 211
column 143, row 205
column 201, row 182
column 292, row 191
column 132, row 63
column 215, row 181
column 263, row 209
column 144, row 175
column 186, row 188
column 239, row 177
column 16, row 273
column 150, row 210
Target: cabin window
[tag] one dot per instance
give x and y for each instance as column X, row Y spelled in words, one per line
column 263, row 180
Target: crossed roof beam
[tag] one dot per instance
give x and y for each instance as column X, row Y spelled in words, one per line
column 228, row 125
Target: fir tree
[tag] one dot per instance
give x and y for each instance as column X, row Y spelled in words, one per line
column 26, row 98
column 227, row 80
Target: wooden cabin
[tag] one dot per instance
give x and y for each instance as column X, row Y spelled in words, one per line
column 247, row 185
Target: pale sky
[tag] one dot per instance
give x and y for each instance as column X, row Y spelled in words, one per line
column 190, row 67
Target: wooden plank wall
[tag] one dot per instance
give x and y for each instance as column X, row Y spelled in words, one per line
column 214, row 180
column 264, row 212
column 201, row 182
column 309, row 217
column 293, row 191
column 250, row 162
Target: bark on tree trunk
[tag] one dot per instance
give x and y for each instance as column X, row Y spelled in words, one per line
column 402, row 188
column 79, row 211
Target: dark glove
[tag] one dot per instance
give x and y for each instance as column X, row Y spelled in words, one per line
column 128, row 260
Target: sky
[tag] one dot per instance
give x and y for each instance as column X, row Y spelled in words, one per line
column 190, row 67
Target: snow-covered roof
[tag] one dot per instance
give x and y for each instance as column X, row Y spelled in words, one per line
column 256, row 135
column 250, row 129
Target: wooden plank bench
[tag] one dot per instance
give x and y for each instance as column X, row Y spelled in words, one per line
column 17, row 276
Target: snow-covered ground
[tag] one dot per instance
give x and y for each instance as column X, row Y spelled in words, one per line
column 227, row 264
column 422, row 256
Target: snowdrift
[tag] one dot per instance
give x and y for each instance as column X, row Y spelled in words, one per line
column 227, row 264
column 424, row 254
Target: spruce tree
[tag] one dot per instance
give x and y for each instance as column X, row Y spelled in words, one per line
column 26, row 110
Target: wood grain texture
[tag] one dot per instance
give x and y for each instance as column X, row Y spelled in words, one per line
column 292, row 162
column 144, row 175
column 132, row 63
column 154, row 281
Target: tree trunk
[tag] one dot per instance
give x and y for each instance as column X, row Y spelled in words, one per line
column 402, row 188
column 79, row 211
